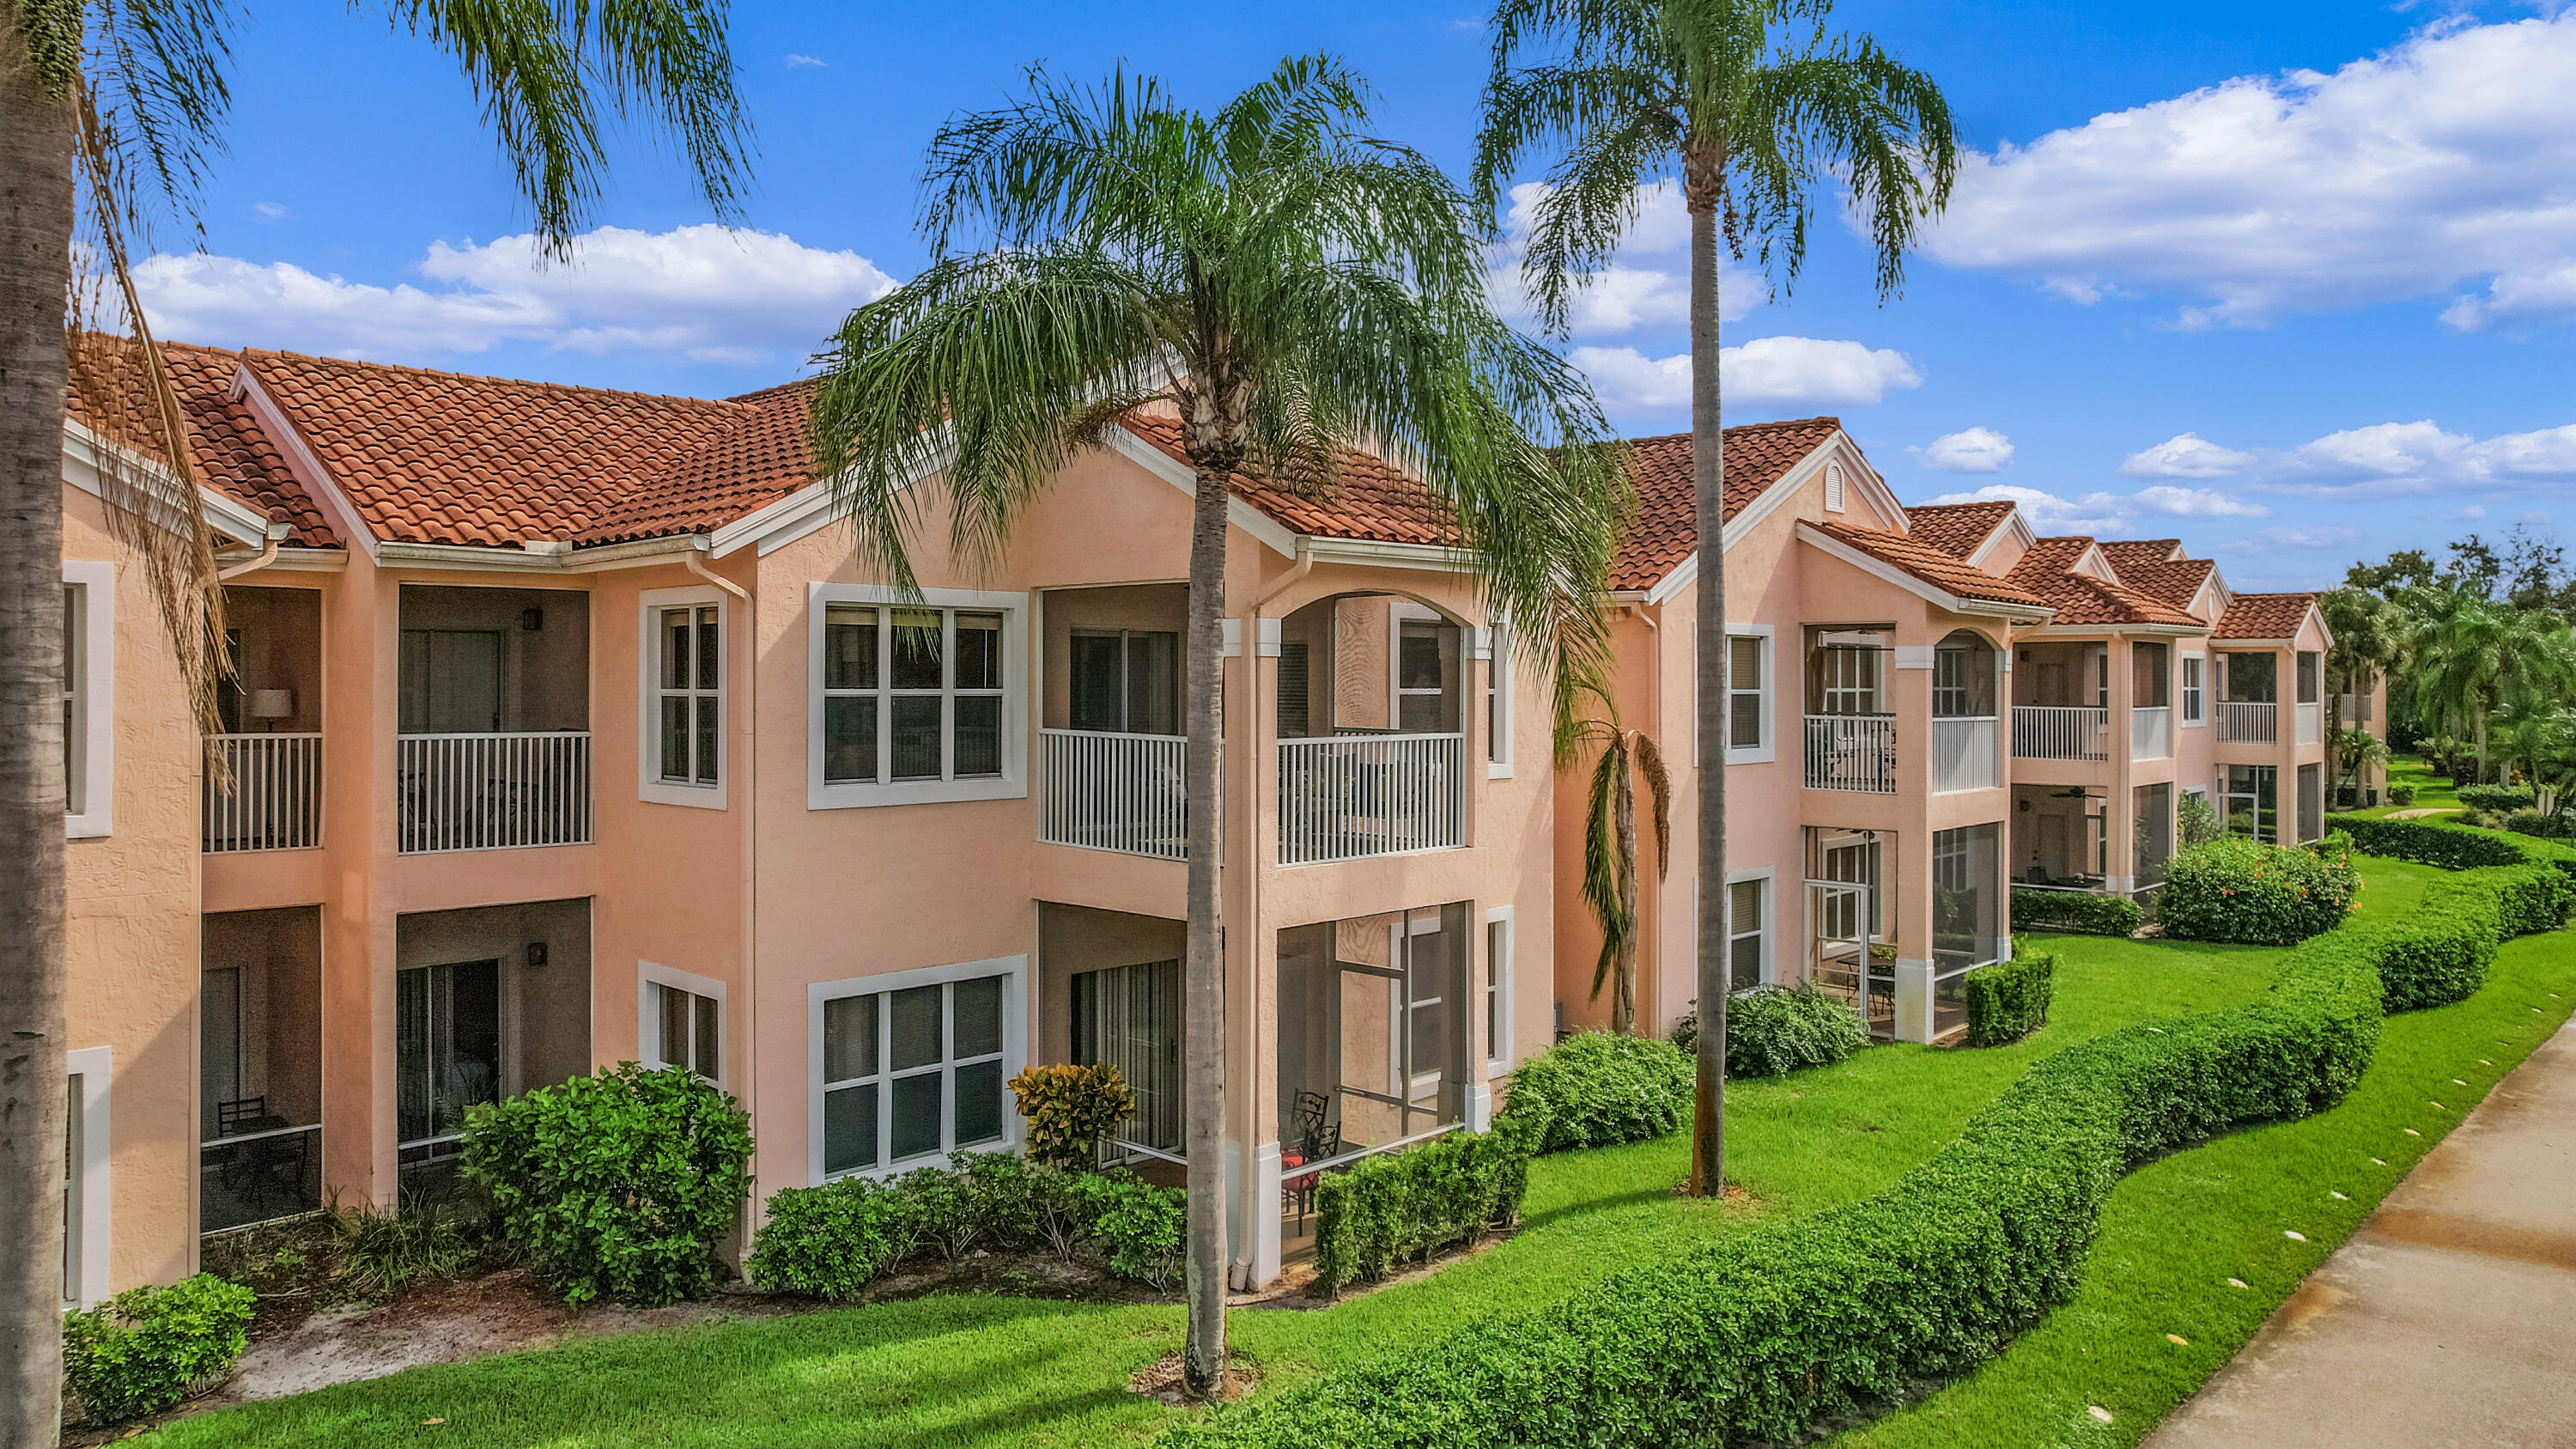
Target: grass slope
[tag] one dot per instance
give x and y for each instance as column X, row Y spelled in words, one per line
column 988, row 1371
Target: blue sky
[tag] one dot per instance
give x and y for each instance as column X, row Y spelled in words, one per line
column 2293, row 281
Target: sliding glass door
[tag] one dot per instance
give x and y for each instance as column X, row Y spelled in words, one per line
column 447, row 1053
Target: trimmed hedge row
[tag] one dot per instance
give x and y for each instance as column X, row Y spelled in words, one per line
column 1401, row 1207
column 1602, row 1089
column 2497, row 798
column 1764, row 1335
column 2451, row 847
column 2079, row 911
column 2009, row 999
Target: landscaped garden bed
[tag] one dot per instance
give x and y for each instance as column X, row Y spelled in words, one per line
column 1016, row 1370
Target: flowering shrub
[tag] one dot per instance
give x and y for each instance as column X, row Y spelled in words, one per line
column 2269, row 895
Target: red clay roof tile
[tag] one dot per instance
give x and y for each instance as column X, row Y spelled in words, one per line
column 1957, row 529
column 1931, row 565
column 2265, row 616
column 1366, row 500
column 2048, row 570
column 1665, row 530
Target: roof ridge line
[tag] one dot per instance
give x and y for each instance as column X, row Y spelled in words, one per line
column 249, row 353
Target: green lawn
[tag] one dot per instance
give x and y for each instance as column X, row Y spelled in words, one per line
column 2432, row 791
column 999, row 1371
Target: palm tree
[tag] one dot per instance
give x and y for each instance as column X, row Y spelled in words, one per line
column 1757, row 107
column 109, row 115
column 2458, row 648
column 1296, row 287
column 1610, row 850
column 2369, row 638
column 2355, row 751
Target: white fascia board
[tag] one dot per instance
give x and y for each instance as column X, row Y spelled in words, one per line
column 1270, row 532
column 84, row 457
column 1835, row 548
column 1997, row 609
column 1857, row 463
column 317, row 479
column 2014, row 527
column 1434, row 557
column 2111, row 631
column 310, row 561
column 1682, row 576
column 483, row 558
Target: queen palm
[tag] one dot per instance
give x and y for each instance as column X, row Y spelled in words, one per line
column 1295, row 287
column 1610, row 850
column 1760, row 110
column 2368, row 634
column 109, row 116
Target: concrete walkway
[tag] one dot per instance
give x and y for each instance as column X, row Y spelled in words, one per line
column 2449, row 1319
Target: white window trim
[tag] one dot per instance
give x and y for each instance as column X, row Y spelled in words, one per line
column 93, row 647
column 1767, row 751
column 648, row 1035
column 649, row 784
column 1499, row 1053
column 1494, row 646
column 2182, row 664
column 1770, row 971
column 1399, row 613
column 95, row 1068
column 1014, row 971
column 1011, row 784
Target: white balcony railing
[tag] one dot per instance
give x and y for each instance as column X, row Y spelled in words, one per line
column 2151, row 732
column 1964, row 754
column 275, row 799
column 2244, row 723
column 492, row 791
column 1121, row 792
column 2312, row 727
column 2060, row 732
column 1355, row 796
column 1852, row 752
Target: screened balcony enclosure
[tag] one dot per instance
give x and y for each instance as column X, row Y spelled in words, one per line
column 259, row 1064
column 268, row 796
column 2249, row 699
column 1112, row 761
column 1118, row 976
column 1968, row 917
column 1967, row 740
column 2062, row 701
column 488, row 1003
column 1370, row 709
column 1850, row 720
column 494, row 715
column 1373, row 1032
column 1851, row 920
column 2060, row 836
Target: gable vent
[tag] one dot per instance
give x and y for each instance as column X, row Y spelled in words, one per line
column 1833, row 488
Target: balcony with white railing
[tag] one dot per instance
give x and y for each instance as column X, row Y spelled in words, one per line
column 2061, row 732
column 492, row 791
column 2151, row 732
column 1855, row 752
column 268, row 796
column 1359, row 795
column 1964, row 754
column 2312, row 728
column 1125, row 793
column 2248, row 722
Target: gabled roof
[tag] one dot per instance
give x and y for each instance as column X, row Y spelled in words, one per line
column 752, row 462
column 2264, row 616
column 2124, row 552
column 1366, row 500
column 1931, row 565
column 1957, row 529
column 1665, row 530
column 2057, row 570
column 233, row 456
column 2172, row 581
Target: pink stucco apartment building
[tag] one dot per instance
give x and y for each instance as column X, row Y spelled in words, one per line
column 565, row 729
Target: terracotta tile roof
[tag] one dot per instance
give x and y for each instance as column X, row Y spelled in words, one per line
column 2048, row 570
column 441, row 457
column 2265, row 616
column 2124, row 552
column 748, row 464
column 1930, row 564
column 1665, row 529
column 1957, row 529
column 233, row 456
column 1368, row 500
column 2173, row 581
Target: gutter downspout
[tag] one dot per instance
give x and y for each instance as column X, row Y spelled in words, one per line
column 267, row 555
column 746, row 1082
column 1297, row 572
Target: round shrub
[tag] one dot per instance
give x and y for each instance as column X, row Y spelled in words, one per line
column 138, row 1352
column 2244, row 891
column 1069, row 1109
column 1776, row 1029
column 2401, row 795
column 1602, row 1089
column 617, row 1184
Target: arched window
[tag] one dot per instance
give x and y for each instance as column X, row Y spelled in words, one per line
column 1965, row 670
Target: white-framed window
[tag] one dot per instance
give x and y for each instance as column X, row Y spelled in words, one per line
column 1498, row 990
column 916, row 700
column 1422, row 657
column 1748, row 929
column 1498, row 703
column 909, row 1066
column 1748, row 696
column 89, row 697
column 680, row 1020
column 86, row 1203
column 2195, row 671
column 683, row 662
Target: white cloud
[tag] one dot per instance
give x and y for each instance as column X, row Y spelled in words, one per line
column 2421, row 456
column 268, row 211
column 2443, row 167
column 2048, row 513
column 698, row 293
column 796, row 62
column 1625, row 295
column 2185, row 455
column 1766, row 372
column 2198, row 503
column 2297, row 536
column 1972, row 450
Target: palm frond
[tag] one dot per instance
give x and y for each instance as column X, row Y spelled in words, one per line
column 1601, row 855
column 1659, row 789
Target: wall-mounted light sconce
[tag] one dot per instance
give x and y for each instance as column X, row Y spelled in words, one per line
column 536, row 953
column 532, row 620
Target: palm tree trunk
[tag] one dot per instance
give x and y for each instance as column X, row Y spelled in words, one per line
column 1623, row 1006
column 1203, row 975
column 35, row 272
column 1708, row 470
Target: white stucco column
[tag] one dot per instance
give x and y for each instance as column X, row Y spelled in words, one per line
column 1913, row 1000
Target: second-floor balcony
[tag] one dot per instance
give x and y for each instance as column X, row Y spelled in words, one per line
column 2061, row 732
column 2151, row 733
column 1965, row 754
column 268, row 795
column 1855, row 752
column 263, row 782
column 1357, row 795
column 2311, row 723
column 1127, row 793
column 493, row 746
column 2249, row 722
column 492, row 791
